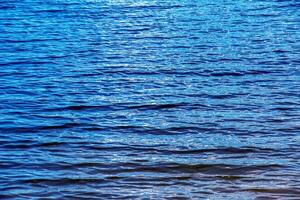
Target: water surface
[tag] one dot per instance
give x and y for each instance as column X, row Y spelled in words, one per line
column 149, row 99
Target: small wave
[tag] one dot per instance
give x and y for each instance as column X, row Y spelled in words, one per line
column 64, row 181
column 288, row 191
column 81, row 108
column 157, row 106
column 196, row 168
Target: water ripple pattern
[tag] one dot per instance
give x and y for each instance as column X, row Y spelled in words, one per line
column 149, row 99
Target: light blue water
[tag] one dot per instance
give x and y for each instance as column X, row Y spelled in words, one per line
column 152, row 99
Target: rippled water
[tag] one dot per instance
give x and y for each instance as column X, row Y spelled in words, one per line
column 150, row 99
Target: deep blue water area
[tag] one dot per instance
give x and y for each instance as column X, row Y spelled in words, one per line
column 150, row 99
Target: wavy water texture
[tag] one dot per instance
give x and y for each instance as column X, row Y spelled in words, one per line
column 149, row 99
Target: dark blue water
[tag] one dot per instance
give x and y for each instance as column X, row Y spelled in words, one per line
column 149, row 99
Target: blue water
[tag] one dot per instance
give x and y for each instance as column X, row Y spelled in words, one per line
column 149, row 99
